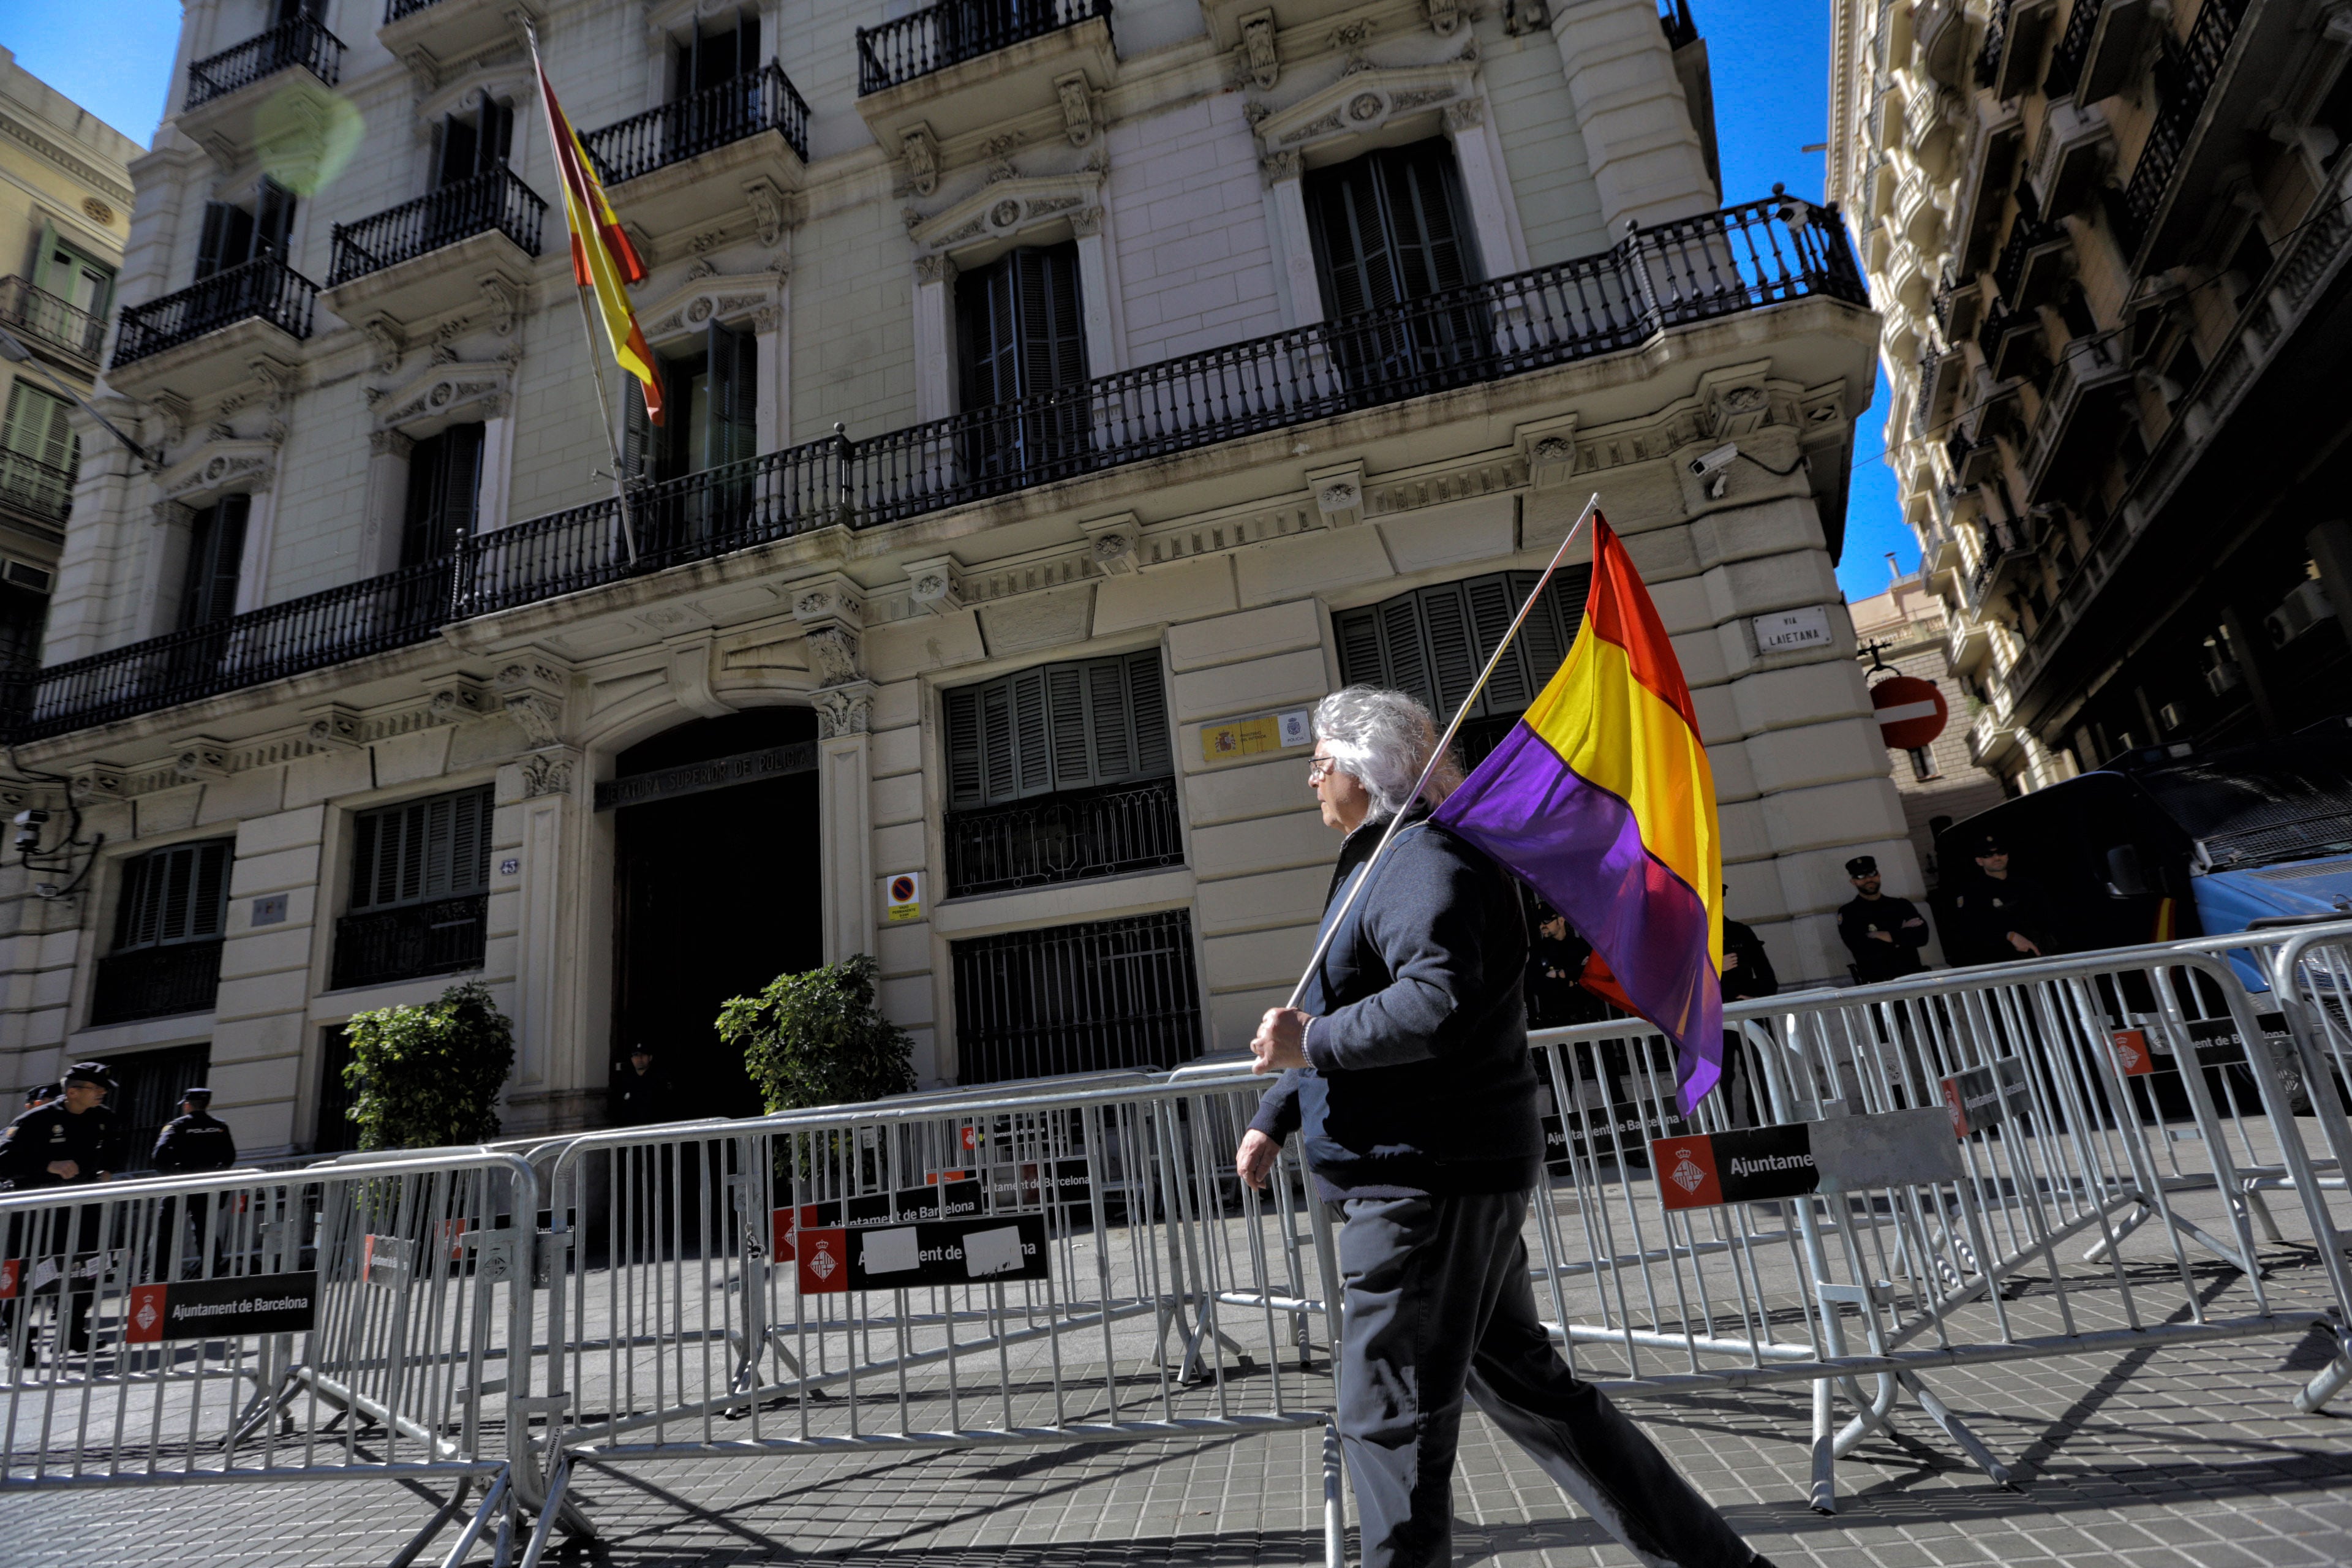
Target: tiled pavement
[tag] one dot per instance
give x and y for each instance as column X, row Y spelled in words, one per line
column 2191, row 1458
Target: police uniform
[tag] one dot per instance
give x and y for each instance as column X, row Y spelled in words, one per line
column 37, row 1138
column 195, row 1141
column 1859, row 918
column 1986, row 909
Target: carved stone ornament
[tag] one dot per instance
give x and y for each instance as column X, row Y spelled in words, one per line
column 921, row 151
column 1087, row 222
column 1077, row 103
column 502, row 303
column 1001, row 210
column 1445, row 15
column 217, row 466
column 829, row 601
column 201, row 759
column 334, row 727
column 389, row 444
column 95, row 783
column 832, row 654
column 1365, row 100
column 1261, row 60
column 446, row 394
column 770, row 210
column 1341, row 497
column 384, row 336
column 1523, row 16
column 1339, row 493
column 458, row 699
column 175, row 413
column 1277, row 167
column 1112, row 543
column 725, row 298
column 1467, row 115
column 532, row 696
column 843, row 710
column 935, row 585
column 548, row 772
column 934, row 269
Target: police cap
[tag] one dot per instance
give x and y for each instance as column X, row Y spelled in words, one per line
column 1988, row 844
column 198, row 1093
column 98, row 1073
column 1862, row 866
column 42, row 1093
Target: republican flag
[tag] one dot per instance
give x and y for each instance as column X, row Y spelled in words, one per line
column 602, row 256
column 1600, row 799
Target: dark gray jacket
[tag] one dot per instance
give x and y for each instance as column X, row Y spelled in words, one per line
column 1421, row 1079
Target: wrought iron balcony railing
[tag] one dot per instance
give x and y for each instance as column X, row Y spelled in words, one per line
column 2185, row 74
column 155, row 982
column 955, row 31
column 1996, row 39
column 57, row 324
column 1065, row 837
column 264, row 288
column 497, row 201
column 2074, row 49
column 32, row 485
column 764, row 100
column 2025, row 237
column 410, row 942
column 399, row 10
column 301, row 42
column 1742, row 258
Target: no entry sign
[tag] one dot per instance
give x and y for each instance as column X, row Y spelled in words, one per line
column 1911, row 712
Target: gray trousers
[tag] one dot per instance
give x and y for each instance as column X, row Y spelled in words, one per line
column 1438, row 1302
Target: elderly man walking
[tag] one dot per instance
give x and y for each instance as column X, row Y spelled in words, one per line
column 1408, row 1075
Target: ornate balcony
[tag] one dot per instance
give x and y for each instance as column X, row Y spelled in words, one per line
column 2114, row 46
column 155, row 982
column 381, row 946
column 34, row 489
column 961, row 66
column 430, row 256
column 2013, row 42
column 2010, row 340
column 219, row 109
column 2077, row 421
column 2185, row 75
column 1743, row 258
column 1065, row 837
column 205, row 333
column 685, row 164
column 2032, row 263
column 2074, row 45
column 51, row 326
column 2075, row 145
column 422, row 33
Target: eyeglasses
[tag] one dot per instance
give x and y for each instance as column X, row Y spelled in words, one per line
column 1319, row 768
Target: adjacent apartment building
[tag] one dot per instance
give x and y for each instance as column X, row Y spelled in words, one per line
column 1062, row 398
column 2109, row 238
column 64, row 209
column 1908, row 630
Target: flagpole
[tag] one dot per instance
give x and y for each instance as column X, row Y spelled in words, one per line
column 580, row 296
column 1444, row 743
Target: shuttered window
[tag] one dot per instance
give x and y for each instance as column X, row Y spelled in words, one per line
column 474, row 142
column 444, row 481
column 1388, row 228
column 1057, row 727
column 216, row 558
column 1023, row 326
column 173, row 896
column 40, row 427
column 1431, row 643
column 423, row 851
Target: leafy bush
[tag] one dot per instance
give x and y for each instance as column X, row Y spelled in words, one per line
column 422, row 1078
column 817, row 1040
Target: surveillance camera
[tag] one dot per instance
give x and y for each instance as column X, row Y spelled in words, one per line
column 29, row 830
column 1708, row 463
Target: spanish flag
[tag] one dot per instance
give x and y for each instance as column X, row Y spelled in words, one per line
column 1601, row 800
column 602, row 256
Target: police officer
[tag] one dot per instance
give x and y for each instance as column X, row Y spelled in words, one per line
column 1885, row 933
column 1746, row 975
column 68, row 1142
column 642, row 1095
column 192, row 1140
column 42, row 1093
column 2001, row 916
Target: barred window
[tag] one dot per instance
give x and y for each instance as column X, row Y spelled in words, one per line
column 1057, row 727
column 423, row 850
column 173, row 896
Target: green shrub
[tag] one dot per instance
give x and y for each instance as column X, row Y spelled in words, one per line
column 422, row 1078
column 817, row 1040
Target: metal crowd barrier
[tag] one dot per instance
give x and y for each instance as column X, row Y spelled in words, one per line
column 336, row 1323
column 956, row 1270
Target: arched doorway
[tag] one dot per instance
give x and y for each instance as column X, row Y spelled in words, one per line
column 716, row 890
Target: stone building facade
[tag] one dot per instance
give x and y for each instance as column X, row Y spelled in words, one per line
column 2110, row 240
column 64, row 210
column 1063, row 398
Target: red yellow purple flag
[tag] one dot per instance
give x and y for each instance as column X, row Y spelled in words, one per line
column 602, row 256
column 1601, row 800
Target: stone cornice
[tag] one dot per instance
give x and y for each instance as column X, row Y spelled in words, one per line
column 116, row 187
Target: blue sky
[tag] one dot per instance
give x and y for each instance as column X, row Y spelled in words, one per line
column 1770, row 59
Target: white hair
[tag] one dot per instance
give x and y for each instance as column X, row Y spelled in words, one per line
column 1382, row 739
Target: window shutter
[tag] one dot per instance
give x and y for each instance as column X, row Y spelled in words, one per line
column 1070, row 707
column 636, row 432
column 210, row 890
column 1148, row 703
column 1032, row 731
column 228, row 232
column 985, row 322
column 967, row 775
column 1352, row 243
column 38, row 426
column 1405, row 651
column 1423, row 212
column 734, row 376
column 1002, row 753
column 175, row 895
column 1453, row 649
column 498, row 134
column 1492, row 605
column 1054, row 326
column 273, row 220
column 208, row 592
column 1358, row 635
column 460, row 146
column 422, row 851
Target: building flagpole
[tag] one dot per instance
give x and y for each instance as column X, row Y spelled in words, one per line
column 580, row 296
column 1444, row 743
